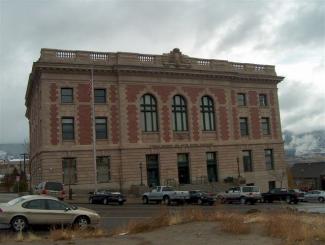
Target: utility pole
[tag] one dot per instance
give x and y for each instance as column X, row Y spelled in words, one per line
column 24, row 155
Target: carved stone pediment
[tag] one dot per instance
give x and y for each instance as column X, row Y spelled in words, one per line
column 176, row 59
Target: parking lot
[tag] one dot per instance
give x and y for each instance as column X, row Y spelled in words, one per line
column 114, row 216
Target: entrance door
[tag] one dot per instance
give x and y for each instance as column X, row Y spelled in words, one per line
column 183, row 168
column 322, row 182
column 152, row 170
column 212, row 166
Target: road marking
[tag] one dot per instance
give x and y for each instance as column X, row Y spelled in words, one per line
column 124, row 217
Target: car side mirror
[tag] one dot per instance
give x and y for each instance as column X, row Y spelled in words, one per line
column 67, row 209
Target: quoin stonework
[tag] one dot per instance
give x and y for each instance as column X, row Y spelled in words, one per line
column 170, row 119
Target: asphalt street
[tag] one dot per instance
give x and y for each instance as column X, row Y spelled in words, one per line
column 115, row 216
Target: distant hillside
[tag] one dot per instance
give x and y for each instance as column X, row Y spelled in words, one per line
column 11, row 151
column 304, row 145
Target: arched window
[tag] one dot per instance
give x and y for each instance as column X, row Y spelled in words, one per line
column 179, row 113
column 149, row 117
column 207, row 114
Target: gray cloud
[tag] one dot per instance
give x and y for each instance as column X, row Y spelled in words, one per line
column 247, row 31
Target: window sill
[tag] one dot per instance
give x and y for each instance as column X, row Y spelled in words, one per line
column 66, row 103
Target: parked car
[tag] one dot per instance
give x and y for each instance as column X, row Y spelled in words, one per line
column 315, row 195
column 201, row 198
column 165, row 194
column 280, row 194
column 51, row 188
column 242, row 194
column 24, row 211
column 299, row 193
column 107, row 197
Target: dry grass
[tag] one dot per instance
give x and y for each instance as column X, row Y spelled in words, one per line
column 70, row 234
column 295, row 228
column 235, row 225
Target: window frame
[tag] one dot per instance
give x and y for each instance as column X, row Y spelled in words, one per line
column 149, row 113
column 97, row 132
column 207, row 110
column 265, row 126
column 247, row 161
column 269, row 159
column 241, row 101
column 65, row 130
column 98, row 162
column 243, row 126
column 263, row 100
column 105, row 96
column 179, row 111
column 67, row 96
column 71, row 163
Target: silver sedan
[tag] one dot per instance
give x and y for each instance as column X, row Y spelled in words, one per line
column 23, row 211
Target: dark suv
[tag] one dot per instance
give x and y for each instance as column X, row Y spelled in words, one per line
column 280, row 194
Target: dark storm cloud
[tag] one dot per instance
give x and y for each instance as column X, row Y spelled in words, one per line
column 212, row 29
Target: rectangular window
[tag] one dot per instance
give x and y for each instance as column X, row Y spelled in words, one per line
column 66, row 95
column 263, row 99
column 101, row 128
column 67, row 128
column 241, row 99
column 212, row 166
column 269, row 159
column 243, row 121
column 100, row 95
column 265, row 125
column 103, row 169
column 247, row 161
column 69, row 167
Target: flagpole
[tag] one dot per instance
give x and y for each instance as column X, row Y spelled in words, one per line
column 93, row 118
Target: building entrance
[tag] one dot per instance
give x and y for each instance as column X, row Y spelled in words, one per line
column 152, row 170
column 183, row 168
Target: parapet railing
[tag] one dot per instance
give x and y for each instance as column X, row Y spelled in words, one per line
column 122, row 58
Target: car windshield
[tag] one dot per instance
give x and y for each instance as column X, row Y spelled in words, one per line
column 15, row 201
column 250, row 189
column 55, row 186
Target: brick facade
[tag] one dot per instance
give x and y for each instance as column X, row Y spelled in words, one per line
column 127, row 144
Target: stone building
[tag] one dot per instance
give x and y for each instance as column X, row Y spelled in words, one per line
column 160, row 119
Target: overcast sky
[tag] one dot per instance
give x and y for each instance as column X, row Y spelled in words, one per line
column 287, row 34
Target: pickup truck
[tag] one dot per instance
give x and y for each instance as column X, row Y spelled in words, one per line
column 242, row 194
column 165, row 194
column 280, row 194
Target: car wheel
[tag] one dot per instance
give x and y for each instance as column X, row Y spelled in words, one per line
column 120, row 203
column 81, row 222
column 288, row 199
column 242, row 200
column 105, row 201
column 91, row 201
column 19, row 223
column 166, row 200
column 145, row 200
column 199, row 201
column 321, row 199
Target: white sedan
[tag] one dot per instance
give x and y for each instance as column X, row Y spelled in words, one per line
column 28, row 210
column 315, row 195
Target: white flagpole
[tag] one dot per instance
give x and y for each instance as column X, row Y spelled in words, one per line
column 93, row 118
